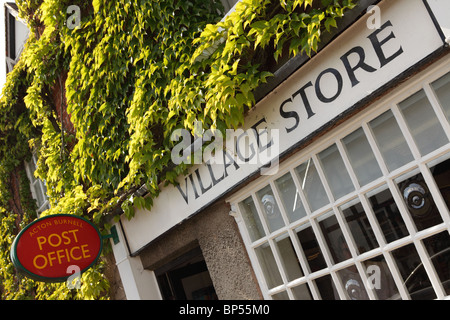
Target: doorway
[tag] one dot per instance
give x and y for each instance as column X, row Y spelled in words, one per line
column 186, row 278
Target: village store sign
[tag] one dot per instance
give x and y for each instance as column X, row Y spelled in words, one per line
column 349, row 70
column 50, row 249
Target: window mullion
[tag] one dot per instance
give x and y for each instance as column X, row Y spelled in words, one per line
column 321, row 174
column 437, row 108
column 405, row 130
column 260, row 213
column 347, row 164
column 435, row 193
column 279, row 202
column 429, row 268
column 399, row 282
column 373, row 144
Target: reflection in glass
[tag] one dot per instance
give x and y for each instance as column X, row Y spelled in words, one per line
column 441, row 174
column 281, row 296
column 286, row 251
column 270, row 208
column 334, row 238
column 268, row 265
column 361, row 157
column 251, row 219
column 302, row 292
column 290, row 197
column 311, row 248
column 419, row 201
column 359, row 226
column 312, row 185
column 438, row 247
column 380, row 279
column 423, row 123
column 326, row 288
column 335, row 172
column 442, row 89
column 353, row 284
column 390, row 141
column 387, row 214
column 413, row 273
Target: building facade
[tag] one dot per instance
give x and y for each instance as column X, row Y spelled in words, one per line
column 337, row 188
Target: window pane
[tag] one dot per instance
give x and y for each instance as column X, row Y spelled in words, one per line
column 380, row 279
column 251, row 219
column 438, row 248
column 441, row 174
column 312, row 185
column 361, row 157
column 270, row 209
column 287, row 254
column 268, row 265
column 413, row 273
column 359, row 225
column 390, row 141
column 326, row 288
column 334, row 237
column 335, row 172
column 387, row 214
column 419, row 201
column 311, row 248
column 353, row 284
column 281, row 296
column 302, row 292
column 423, row 123
column 290, row 197
column 442, row 89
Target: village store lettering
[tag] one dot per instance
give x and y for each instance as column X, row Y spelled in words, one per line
column 354, row 63
column 351, row 68
column 47, row 248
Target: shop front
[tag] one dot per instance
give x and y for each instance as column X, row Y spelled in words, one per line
column 341, row 193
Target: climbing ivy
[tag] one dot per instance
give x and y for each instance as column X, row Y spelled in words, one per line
column 131, row 73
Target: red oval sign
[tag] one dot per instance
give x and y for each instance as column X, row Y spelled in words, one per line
column 48, row 248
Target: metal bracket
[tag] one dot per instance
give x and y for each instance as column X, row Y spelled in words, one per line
column 113, row 235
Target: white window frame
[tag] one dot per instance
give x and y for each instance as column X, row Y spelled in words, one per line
column 37, row 186
column 390, row 101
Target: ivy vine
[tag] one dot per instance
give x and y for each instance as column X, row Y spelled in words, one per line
column 131, row 73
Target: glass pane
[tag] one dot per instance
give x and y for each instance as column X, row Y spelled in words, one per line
column 442, row 89
column 438, row 248
column 312, row 185
column 413, row 273
column 311, row 248
column 287, row 254
column 361, row 157
column 281, row 296
column 353, row 284
column 302, row 292
column 290, row 197
column 419, row 201
column 423, row 123
column 251, row 219
column 326, row 288
column 335, row 172
column 270, row 209
column 390, row 141
column 334, row 238
column 387, row 214
column 441, row 174
column 359, row 226
column 268, row 265
column 380, row 279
